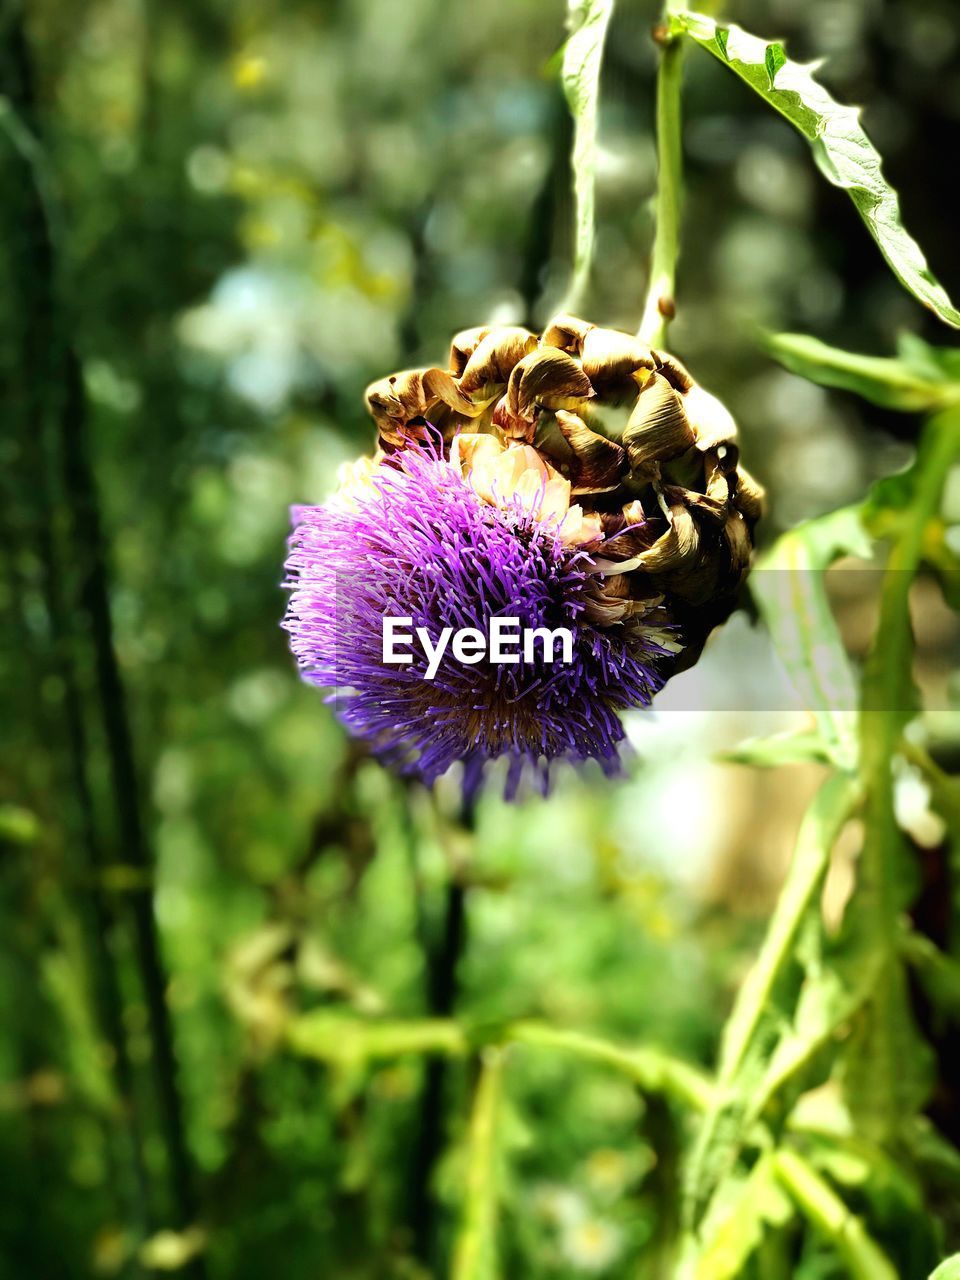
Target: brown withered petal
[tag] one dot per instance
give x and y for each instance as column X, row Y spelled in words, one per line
column 494, row 359
column 748, row 495
column 440, row 385
column 701, row 503
column 567, row 333
column 629, row 532
column 397, row 398
column 463, row 346
column 677, row 547
column 631, row 541
column 716, row 479
column 547, row 377
column 610, row 357
column 737, row 536
column 658, row 427
column 674, row 372
column 675, row 506
column 711, row 420
column 674, row 549
column 610, row 600
column 598, row 463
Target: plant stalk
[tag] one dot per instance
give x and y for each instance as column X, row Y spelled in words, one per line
column 91, row 602
column 660, row 305
column 827, row 1213
column 474, row 1254
column 442, row 962
column 886, row 709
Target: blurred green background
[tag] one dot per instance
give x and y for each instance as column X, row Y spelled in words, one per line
column 218, row 222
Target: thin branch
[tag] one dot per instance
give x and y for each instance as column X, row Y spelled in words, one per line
column 651, row 1070
column 827, row 1213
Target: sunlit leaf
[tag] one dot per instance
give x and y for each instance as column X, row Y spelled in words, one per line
column 767, row 998
column 949, row 1269
column 886, row 381
column 789, row 587
column 582, row 57
column 843, row 152
column 780, row 749
column 736, row 1229
column 889, row 1065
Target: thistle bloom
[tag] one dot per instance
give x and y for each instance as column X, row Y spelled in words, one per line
column 581, row 481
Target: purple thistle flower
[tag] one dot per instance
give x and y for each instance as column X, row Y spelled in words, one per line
column 422, row 544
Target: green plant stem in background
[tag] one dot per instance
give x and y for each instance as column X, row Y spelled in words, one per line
column 475, row 1249
column 348, row 1042
column 652, row 1071
column 87, row 597
column 827, row 1213
column 582, row 57
column 660, row 305
column 888, row 703
column 442, row 960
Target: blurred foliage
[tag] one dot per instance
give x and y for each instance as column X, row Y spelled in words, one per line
column 218, row 223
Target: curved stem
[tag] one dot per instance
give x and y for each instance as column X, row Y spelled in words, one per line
column 827, row 1213
column 659, row 307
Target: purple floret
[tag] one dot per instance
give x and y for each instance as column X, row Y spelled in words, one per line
column 424, row 545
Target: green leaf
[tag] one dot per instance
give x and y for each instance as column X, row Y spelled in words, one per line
column 736, row 1229
column 788, row 585
column 938, row 972
column 885, row 381
column 767, row 998
column 836, row 984
column 805, row 747
column 888, row 1066
column 929, row 361
column 843, row 152
column 582, row 56
column 822, row 823
column 949, row 1269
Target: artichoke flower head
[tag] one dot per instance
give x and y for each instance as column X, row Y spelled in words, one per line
column 579, row 477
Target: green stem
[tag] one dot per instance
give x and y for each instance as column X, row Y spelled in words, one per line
column 827, row 1213
column 651, row 1070
column 351, row 1042
column 475, row 1247
column 887, row 706
column 660, row 306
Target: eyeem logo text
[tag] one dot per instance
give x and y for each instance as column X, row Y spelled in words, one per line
column 506, row 642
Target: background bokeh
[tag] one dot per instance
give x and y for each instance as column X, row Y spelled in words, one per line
column 218, row 222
